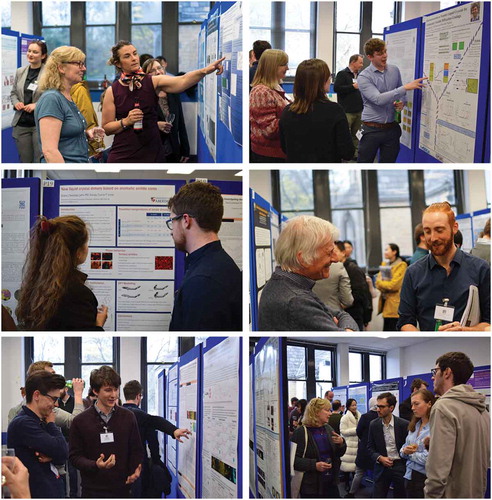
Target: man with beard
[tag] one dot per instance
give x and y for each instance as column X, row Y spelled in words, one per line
column 459, row 452
column 435, row 290
column 210, row 297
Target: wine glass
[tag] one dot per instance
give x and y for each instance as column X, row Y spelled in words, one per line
column 170, row 117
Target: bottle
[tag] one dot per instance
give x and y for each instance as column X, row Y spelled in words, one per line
column 137, row 126
column 105, row 83
column 397, row 112
column 69, row 384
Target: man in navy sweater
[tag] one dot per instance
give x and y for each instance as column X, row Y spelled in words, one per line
column 37, row 441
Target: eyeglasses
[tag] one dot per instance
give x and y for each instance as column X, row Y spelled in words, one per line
column 53, row 398
column 434, row 371
column 382, row 406
column 80, row 64
column 169, row 222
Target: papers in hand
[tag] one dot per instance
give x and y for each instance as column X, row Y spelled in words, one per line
column 471, row 315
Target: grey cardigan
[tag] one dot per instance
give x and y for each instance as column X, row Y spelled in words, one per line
column 17, row 92
column 288, row 303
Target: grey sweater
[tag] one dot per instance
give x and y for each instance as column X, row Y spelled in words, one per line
column 288, row 304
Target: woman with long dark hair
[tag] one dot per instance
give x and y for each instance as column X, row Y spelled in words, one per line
column 348, row 430
column 314, row 129
column 53, row 293
column 414, row 450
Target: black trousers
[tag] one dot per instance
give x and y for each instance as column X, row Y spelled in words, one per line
column 391, row 475
column 415, row 486
column 384, row 140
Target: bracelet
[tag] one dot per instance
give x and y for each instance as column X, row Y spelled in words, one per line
column 124, row 127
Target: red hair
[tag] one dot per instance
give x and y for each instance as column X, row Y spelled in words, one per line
column 443, row 207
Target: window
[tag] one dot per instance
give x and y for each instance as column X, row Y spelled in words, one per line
column 323, row 367
column 383, row 14
column 395, row 212
column 298, row 23
column 348, row 26
column 147, row 27
column 347, row 209
column 96, row 351
column 6, row 15
column 439, row 186
column 355, row 367
column 48, row 348
column 296, row 372
column 56, row 21
column 296, row 192
column 161, row 352
column 99, row 32
column 366, row 366
column 260, row 21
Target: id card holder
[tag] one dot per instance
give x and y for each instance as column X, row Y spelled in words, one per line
column 359, row 134
column 54, row 470
column 33, row 86
column 106, row 437
column 444, row 312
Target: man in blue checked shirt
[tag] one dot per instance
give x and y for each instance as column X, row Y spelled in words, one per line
column 382, row 93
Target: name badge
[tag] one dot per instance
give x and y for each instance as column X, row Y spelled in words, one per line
column 444, row 313
column 107, row 437
column 54, row 470
column 33, row 86
column 354, row 80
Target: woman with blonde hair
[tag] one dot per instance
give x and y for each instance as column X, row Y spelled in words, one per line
column 318, row 452
column 414, row 450
column 266, row 102
column 62, row 127
column 313, row 129
column 53, row 294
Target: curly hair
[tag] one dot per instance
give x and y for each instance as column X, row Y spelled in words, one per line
column 49, row 266
column 51, row 79
column 374, row 45
column 313, row 408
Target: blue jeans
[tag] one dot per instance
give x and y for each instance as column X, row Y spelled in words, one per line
column 386, row 140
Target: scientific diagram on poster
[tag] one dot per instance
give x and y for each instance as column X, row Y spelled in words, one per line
column 268, row 425
column 452, row 54
column 231, row 229
column 402, row 52
column 210, row 86
column 188, row 419
column 221, row 365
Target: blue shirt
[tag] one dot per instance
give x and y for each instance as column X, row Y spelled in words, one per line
column 426, row 284
column 416, row 461
column 418, row 254
column 379, row 90
column 73, row 144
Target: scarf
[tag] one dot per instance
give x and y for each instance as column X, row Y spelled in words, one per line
column 133, row 79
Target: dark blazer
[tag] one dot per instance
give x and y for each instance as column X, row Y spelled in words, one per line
column 406, row 409
column 311, row 482
column 178, row 136
column 17, row 92
column 376, row 444
column 363, row 459
column 334, row 421
column 347, row 96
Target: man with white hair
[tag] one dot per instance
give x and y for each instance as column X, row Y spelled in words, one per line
column 304, row 253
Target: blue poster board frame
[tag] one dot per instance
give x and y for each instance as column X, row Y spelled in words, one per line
column 407, row 382
column 482, row 132
column 191, row 355
column 407, row 155
column 253, row 494
column 51, row 208
column 174, row 478
column 209, row 344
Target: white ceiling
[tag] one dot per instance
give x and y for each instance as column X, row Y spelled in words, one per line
column 379, row 343
column 145, row 173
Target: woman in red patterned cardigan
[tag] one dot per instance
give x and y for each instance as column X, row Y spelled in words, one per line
column 266, row 103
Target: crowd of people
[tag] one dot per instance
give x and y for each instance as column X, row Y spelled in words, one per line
column 54, row 296
column 55, row 121
column 439, row 446
column 61, row 440
column 317, row 285
column 313, row 129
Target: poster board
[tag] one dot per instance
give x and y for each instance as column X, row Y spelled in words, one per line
column 189, row 415
column 360, row 392
column 270, row 426
column 20, row 208
column 465, row 225
column 221, row 443
column 340, row 393
column 456, row 59
column 219, row 131
column 252, row 426
column 392, row 385
column 403, row 42
column 479, row 218
column 132, row 265
column 10, row 55
column 480, row 381
column 171, row 414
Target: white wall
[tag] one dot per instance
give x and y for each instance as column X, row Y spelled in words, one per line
column 420, row 358
column 475, row 190
column 324, row 43
column 260, row 181
column 411, row 10
column 22, row 18
column 343, row 364
column 129, row 360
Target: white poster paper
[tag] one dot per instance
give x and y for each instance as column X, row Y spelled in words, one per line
column 172, row 408
column 9, row 67
column 144, row 227
column 360, row 395
column 105, row 295
column 210, row 90
column 188, row 419
column 452, row 54
column 252, row 468
column 145, row 296
column 221, row 366
column 142, row 322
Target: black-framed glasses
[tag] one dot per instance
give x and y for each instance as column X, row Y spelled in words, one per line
column 80, row 64
column 53, row 398
column 169, row 222
column 434, row 371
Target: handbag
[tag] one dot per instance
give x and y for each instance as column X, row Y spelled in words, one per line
column 296, row 479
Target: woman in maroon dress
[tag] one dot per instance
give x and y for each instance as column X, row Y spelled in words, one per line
column 130, row 106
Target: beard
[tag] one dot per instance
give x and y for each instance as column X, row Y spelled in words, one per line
column 441, row 247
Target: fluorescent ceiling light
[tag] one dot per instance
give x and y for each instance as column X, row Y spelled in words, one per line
column 181, row 170
column 108, row 169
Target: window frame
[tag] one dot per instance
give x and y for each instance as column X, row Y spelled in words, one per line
column 365, row 368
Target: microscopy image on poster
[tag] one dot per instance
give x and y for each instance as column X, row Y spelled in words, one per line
column 127, row 322
column 100, row 220
column 188, row 393
column 144, row 227
column 452, row 55
column 221, row 366
column 105, row 295
column 268, row 426
column 402, row 50
column 129, row 263
column 116, row 194
column 145, row 296
column 15, row 239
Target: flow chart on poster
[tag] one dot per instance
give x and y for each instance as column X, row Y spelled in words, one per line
column 452, row 55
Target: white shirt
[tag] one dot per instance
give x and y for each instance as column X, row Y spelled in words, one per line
column 389, row 439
